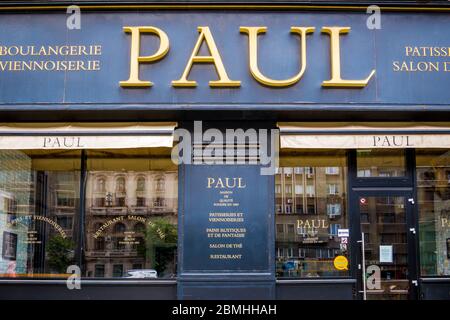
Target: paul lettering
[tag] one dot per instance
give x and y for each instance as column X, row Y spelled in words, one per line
column 225, row 183
column 445, row 223
column 62, row 142
column 312, row 224
column 391, row 141
column 214, row 58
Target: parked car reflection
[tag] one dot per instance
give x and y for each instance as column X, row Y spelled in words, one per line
column 142, row 274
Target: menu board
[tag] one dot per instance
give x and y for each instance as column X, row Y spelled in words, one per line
column 226, row 219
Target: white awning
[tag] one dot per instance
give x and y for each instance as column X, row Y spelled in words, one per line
column 86, row 135
column 321, row 135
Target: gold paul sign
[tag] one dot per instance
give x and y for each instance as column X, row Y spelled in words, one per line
column 206, row 38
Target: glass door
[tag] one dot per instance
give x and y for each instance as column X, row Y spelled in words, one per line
column 387, row 268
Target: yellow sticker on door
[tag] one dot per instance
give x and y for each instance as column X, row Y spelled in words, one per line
column 340, row 263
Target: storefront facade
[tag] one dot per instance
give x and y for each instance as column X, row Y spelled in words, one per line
column 283, row 151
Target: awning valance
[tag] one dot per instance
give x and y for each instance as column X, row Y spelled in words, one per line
column 86, row 135
column 320, row 135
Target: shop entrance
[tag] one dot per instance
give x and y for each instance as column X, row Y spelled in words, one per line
column 386, row 270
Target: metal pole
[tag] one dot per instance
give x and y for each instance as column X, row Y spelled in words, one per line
column 363, row 267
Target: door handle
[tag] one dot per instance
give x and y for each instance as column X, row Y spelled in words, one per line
column 413, row 230
column 411, row 200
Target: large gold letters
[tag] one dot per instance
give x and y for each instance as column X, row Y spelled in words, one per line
column 336, row 80
column 135, row 58
column 205, row 37
column 253, row 55
column 214, row 58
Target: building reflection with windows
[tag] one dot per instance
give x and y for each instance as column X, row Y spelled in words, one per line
column 119, row 209
column 310, row 199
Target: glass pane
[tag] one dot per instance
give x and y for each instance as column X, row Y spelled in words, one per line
column 383, row 222
column 310, row 209
column 39, row 208
column 131, row 214
column 380, row 163
column 433, row 191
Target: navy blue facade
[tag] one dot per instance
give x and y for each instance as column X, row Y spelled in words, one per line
column 362, row 50
column 97, row 96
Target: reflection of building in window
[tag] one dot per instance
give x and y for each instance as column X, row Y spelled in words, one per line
column 99, row 271
column 119, row 228
column 118, row 243
column 364, row 173
column 433, row 191
column 120, row 184
column 160, row 184
column 278, row 188
column 140, row 192
column 120, row 195
column 137, row 266
column 100, row 192
column 333, row 210
column 139, row 227
column 33, row 184
column 332, row 170
column 65, row 222
column 100, row 185
column 65, row 199
column 313, row 195
column 140, row 184
column 118, row 270
column 334, row 229
column 99, row 243
column 333, row 189
column 143, row 197
column 160, row 202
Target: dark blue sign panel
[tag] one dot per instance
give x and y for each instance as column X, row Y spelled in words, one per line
column 227, row 220
column 44, row 63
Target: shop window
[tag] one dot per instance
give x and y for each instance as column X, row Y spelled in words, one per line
column 385, row 163
column 433, row 190
column 306, row 248
column 39, row 202
column 139, row 224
